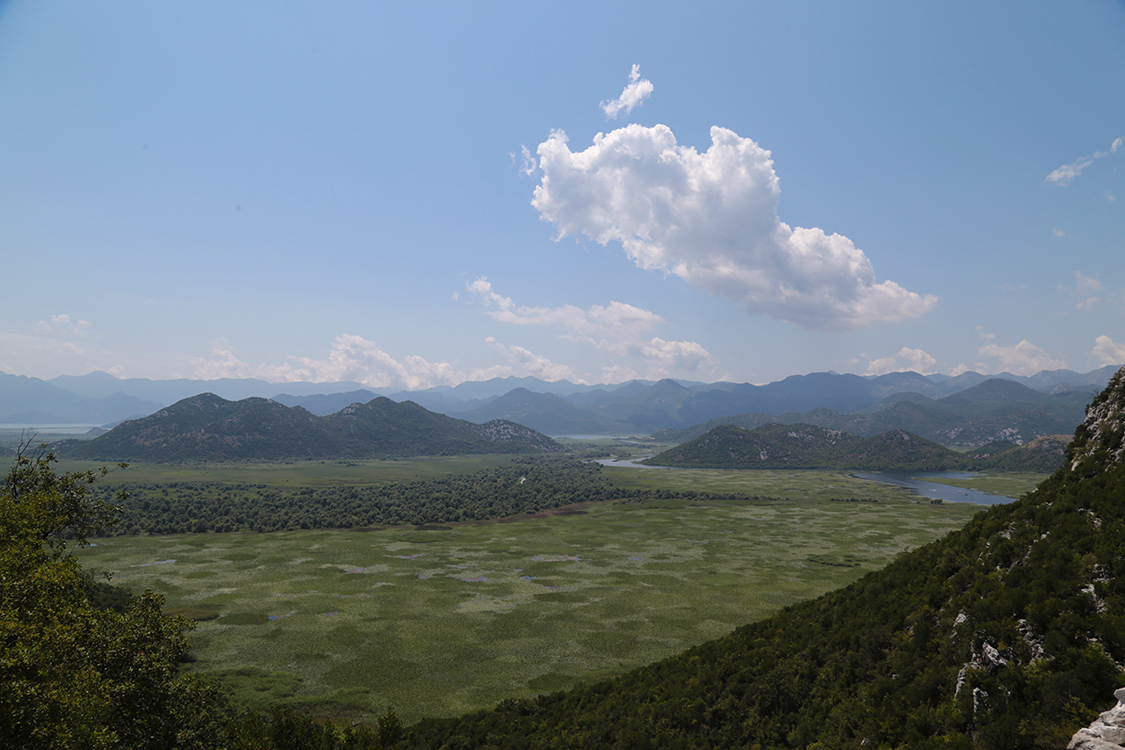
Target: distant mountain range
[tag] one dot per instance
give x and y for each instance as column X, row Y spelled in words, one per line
column 207, row 428
column 991, row 411
column 803, row 446
column 1046, row 403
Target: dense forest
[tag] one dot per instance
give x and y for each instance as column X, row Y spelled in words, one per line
column 529, row 485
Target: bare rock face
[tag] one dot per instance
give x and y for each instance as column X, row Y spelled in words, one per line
column 1107, row 732
column 1100, row 440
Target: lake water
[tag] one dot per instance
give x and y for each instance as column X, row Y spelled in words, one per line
column 916, row 481
column 53, row 429
column 625, row 464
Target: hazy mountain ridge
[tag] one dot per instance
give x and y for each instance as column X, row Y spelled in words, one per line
column 26, row 400
column 207, row 427
column 632, row 407
column 551, row 413
column 1009, row 633
column 862, row 406
column 990, row 411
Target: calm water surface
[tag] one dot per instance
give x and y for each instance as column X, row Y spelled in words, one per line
column 916, row 481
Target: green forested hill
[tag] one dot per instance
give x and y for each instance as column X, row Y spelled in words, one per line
column 1006, row 634
column 989, row 411
column 206, row 427
column 801, row 446
column 777, row 446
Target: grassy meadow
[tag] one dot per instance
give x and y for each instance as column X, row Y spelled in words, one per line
column 440, row 620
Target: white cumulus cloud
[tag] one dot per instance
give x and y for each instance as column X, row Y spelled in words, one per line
column 527, row 363
column 906, row 359
column 1108, row 351
column 636, row 91
column 711, row 219
column 1023, row 358
column 351, row 358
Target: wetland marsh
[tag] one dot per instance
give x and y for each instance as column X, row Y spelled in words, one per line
column 437, row 621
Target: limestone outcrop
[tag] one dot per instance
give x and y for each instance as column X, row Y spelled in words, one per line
column 1107, row 732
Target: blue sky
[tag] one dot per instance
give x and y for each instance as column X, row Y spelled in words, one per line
column 416, row 194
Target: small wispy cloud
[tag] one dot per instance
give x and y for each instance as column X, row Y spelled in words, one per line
column 1086, row 289
column 1067, row 173
column 617, row 327
column 636, row 91
column 62, row 325
column 528, row 164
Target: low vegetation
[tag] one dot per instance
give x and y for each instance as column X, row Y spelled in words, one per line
column 439, row 620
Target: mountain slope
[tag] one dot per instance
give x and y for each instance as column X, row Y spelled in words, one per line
column 26, row 400
column 206, row 427
column 545, row 412
column 1007, row 634
column 323, row 404
column 801, row 446
column 983, row 413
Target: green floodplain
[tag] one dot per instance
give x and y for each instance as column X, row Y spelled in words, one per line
column 437, row 621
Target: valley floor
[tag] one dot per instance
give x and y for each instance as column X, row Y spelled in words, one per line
column 438, row 621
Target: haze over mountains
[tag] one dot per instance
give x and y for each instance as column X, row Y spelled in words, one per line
column 964, row 411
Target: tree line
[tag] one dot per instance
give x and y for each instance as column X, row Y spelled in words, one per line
column 529, row 485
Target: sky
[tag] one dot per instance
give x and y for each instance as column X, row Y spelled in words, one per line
column 408, row 195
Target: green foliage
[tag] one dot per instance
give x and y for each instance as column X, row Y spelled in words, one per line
column 285, row 730
column 1044, row 454
column 73, row 675
column 54, row 506
column 528, row 485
